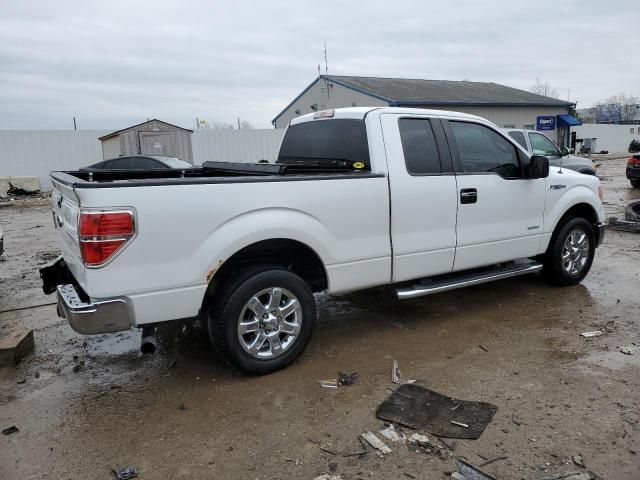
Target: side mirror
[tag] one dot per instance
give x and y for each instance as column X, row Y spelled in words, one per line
column 538, row 167
column 564, row 152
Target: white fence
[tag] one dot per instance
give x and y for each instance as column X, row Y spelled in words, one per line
column 614, row 138
column 36, row 153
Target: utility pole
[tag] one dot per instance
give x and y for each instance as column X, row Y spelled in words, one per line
column 74, row 123
column 238, row 123
column 326, row 65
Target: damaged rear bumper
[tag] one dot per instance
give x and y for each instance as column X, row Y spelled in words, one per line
column 84, row 314
column 92, row 316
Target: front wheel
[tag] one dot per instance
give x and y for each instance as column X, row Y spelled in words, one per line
column 570, row 253
column 263, row 320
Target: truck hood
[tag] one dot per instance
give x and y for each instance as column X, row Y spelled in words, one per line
column 573, row 162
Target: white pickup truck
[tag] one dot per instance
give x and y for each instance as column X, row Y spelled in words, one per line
column 423, row 200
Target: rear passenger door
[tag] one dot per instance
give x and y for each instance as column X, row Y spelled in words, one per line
column 423, row 196
column 500, row 213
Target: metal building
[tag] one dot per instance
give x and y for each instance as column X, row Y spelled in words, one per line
column 505, row 106
column 153, row 137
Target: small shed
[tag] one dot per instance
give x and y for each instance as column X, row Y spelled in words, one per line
column 153, row 137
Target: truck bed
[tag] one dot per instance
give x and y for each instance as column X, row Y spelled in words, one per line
column 210, row 172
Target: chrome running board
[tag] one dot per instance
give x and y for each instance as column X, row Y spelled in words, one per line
column 452, row 281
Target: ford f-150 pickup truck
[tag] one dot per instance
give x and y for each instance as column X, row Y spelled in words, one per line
column 423, row 200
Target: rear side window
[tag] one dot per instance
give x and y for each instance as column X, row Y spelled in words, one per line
column 340, row 142
column 519, row 137
column 483, row 150
column 144, row 163
column 419, row 146
column 119, row 164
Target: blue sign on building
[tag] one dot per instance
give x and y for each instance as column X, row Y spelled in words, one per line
column 545, row 122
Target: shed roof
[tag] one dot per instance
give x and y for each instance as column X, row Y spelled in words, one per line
column 420, row 92
column 117, row 132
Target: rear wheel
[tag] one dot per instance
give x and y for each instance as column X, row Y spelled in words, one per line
column 635, row 182
column 263, row 320
column 570, row 253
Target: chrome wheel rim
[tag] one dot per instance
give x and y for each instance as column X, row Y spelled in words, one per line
column 575, row 252
column 269, row 323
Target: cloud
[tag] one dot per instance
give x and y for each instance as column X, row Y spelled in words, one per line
column 116, row 63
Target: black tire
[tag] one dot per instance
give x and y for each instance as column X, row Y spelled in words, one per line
column 553, row 270
column 232, row 301
column 635, row 182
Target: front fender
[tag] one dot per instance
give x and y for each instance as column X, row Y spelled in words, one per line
column 559, row 201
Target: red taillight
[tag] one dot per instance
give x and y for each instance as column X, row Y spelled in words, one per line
column 102, row 234
column 102, row 224
column 634, row 161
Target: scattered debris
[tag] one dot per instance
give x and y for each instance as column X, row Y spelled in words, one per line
column 173, row 364
column 408, row 475
column 333, row 467
column 21, row 381
column 450, row 444
column 395, row 372
column 417, row 407
column 482, row 348
column 515, row 419
column 333, row 383
column 469, row 472
column 19, row 191
column 124, row 473
column 326, row 476
column 347, row 378
column 390, row 433
column 623, row 225
column 10, row 430
column 418, row 438
column 356, row 454
column 460, row 424
column 578, row 460
column 595, row 333
column 324, row 448
column 182, row 407
column 588, row 475
column 628, row 349
column 375, row 442
column 489, row 462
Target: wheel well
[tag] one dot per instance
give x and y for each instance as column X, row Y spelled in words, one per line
column 580, row 210
column 290, row 254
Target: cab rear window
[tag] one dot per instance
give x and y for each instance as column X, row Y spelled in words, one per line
column 335, row 142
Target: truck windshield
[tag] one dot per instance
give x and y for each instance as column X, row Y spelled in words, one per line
column 335, row 142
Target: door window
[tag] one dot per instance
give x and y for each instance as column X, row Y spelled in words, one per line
column 482, row 150
column 519, row 137
column 419, row 146
column 541, row 145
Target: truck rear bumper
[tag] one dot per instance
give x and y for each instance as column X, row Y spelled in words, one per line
column 92, row 316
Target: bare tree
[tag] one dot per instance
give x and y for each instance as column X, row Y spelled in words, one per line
column 246, row 125
column 621, row 108
column 214, row 125
column 543, row 88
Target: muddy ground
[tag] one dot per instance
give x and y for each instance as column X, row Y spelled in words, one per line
column 86, row 404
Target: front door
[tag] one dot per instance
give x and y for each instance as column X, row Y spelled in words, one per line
column 500, row 213
column 423, row 196
column 156, row 143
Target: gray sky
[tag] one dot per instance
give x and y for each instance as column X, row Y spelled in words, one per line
column 115, row 63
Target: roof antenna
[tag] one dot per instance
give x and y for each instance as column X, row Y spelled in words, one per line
column 326, row 67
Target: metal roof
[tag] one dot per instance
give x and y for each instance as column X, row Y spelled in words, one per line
column 405, row 91
column 420, row 92
column 117, row 132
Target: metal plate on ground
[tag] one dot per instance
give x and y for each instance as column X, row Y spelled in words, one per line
column 418, row 407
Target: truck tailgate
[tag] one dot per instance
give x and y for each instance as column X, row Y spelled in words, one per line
column 65, row 207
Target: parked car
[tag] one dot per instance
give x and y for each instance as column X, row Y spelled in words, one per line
column 537, row 143
column 633, row 170
column 423, row 200
column 139, row 162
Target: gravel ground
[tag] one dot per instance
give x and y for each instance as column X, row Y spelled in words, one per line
column 86, row 404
